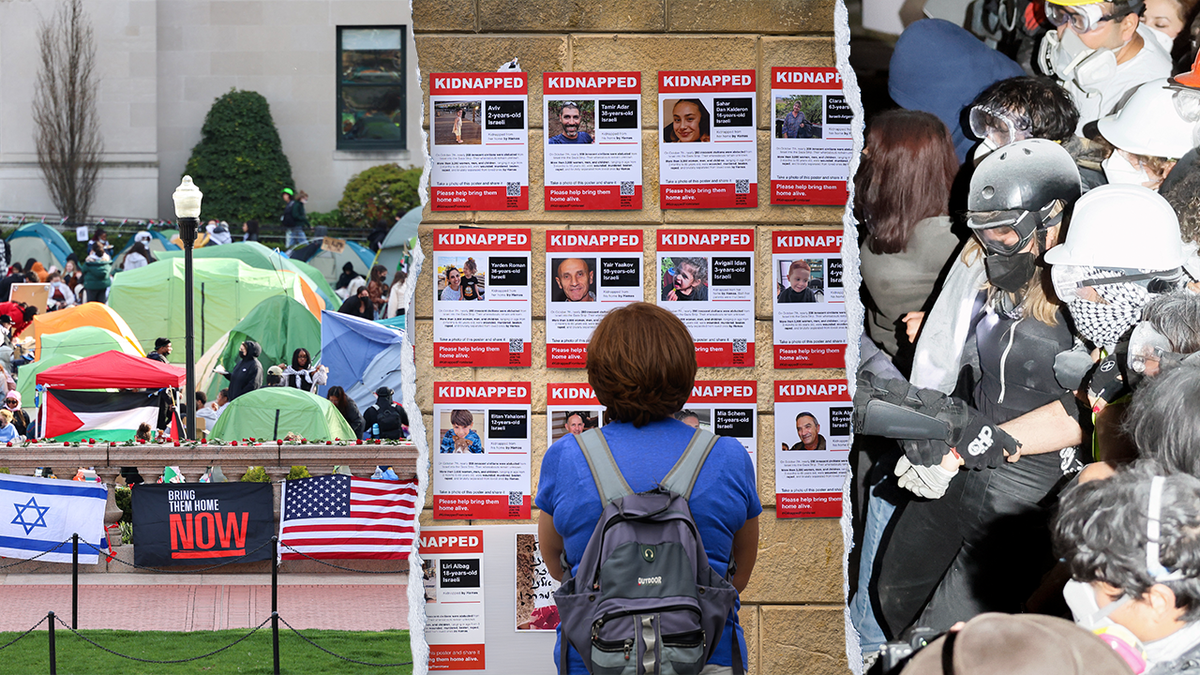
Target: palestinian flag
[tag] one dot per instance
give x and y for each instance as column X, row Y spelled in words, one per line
column 76, row 415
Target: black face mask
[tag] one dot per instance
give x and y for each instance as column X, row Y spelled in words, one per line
column 1011, row 272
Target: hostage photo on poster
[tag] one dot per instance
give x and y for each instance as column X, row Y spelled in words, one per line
column 811, row 144
column 812, row 447
column 708, row 144
column 202, row 523
column 588, row 273
column 482, row 299
column 593, row 140
column 809, row 301
column 452, row 573
column 478, row 142
column 571, row 408
column 481, row 467
column 706, row 278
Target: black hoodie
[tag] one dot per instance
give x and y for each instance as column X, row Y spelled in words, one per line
column 248, row 374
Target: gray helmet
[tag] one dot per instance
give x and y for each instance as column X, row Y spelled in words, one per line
column 1014, row 189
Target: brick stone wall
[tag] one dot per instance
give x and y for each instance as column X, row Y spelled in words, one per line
column 792, row 609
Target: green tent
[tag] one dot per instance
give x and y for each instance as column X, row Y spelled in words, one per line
column 150, row 299
column 29, row 373
column 279, row 325
column 260, row 257
column 274, row 412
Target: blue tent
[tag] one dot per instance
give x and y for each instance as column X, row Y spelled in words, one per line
column 354, row 348
column 40, row 242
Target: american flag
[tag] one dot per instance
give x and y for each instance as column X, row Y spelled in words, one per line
column 342, row 517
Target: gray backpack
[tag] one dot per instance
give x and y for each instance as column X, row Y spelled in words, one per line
column 645, row 600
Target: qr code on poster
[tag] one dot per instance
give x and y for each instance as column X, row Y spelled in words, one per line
column 626, row 188
column 741, row 187
column 515, row 499
column 513, row 190
column 517, row 346
column 739, row 346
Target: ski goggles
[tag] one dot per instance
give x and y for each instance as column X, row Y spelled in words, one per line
column 1001, row 126
column 1070, row 281
column 1004, row 232
column 1082, row 18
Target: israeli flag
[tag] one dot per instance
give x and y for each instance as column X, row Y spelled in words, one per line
column 40, row 514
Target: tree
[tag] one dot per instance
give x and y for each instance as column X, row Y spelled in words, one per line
column 239, row 161
column 67, row 123
column 383, row 192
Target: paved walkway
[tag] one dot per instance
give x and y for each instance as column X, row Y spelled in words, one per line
column 206, row 602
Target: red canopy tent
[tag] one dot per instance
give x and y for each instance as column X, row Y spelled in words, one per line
column 113, row 370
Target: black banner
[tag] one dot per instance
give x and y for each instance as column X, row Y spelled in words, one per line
column 202, row 523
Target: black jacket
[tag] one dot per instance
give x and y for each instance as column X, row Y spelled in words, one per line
column 371, row 415
column 353, row 417
column 360, row 307
column 248, row 374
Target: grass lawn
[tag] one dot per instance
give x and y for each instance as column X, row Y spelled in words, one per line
column 30, row 656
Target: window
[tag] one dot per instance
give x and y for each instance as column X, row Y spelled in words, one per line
column 371, row 85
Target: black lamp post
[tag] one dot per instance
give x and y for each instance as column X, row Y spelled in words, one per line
column 187, row 209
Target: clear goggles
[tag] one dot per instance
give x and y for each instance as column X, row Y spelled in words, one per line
column 1148, row 346
column 1000, row 126
column 1072, row 282
column 1081, row 18
column 1186, row 102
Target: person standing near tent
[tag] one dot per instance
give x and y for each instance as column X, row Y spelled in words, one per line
column 385, row 419
column 20, row 313
column 162, row 349
column 61, row 295
column 377, row 288
column 349, row 409
column 303, row 374
column 250, row 230
column 72, row 277
column 97, row 277
column 398, row 297
column 294, row 219
column 138, row 256
column 348, row 275
column 358, row 305
column 247, row 376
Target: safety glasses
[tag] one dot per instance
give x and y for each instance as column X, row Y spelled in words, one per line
column 1001, row 126
column 1003, row 232
column 1186, row 102
column 1081, row 19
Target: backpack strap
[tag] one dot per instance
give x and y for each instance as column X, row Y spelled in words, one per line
column 609, row 482
column 682, row 477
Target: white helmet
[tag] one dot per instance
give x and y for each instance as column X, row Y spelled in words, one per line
column 1121, row 227
column 1149, row 124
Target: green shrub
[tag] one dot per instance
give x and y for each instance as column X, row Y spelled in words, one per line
column 126, row 531
column 256, row 474
column 239, row 162
column 298, row 472
column 124, row 498
column 385, row 191
column 326, row 219
column 4, row 469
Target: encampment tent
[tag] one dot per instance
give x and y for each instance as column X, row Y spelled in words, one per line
column 70, row 412
column 260, row 257
column 274, row 412
column 330, row 264
column 67, row 346
column 361, row 356
column 279, row 325
column 96, row 314
column 40, row 242
column 399, row 238
column 151, row 298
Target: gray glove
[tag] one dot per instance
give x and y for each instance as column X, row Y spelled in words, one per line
column 930, row 482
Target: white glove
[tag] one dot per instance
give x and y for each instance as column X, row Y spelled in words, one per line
column 930, row 482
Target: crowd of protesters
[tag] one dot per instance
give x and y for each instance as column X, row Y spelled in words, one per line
column 1027, row 405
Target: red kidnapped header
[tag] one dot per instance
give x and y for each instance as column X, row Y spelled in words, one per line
column 435, row 542
column 805, row 78
column 472, row 240
column 724, row 391
column 570, row 394
column 481, row 392
column 705, row 240
column 592, row 83
column 800, row 391
column 705, row 81
column 600, row 241
column 800, row 241
column 477, row 83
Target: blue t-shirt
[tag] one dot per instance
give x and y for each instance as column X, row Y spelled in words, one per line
column 724, row 497
column 582, row 137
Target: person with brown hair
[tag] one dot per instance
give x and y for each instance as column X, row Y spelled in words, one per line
column 642, row 365
column 902, row 198
column 377, row 289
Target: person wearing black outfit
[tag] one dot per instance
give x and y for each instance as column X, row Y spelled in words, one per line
column 348, row 275
column 248, row 375
column 391, row 418
column 359, row 305
column 345, row 405
column 162, row 349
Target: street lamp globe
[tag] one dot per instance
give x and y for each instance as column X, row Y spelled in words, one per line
column 187, row 199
